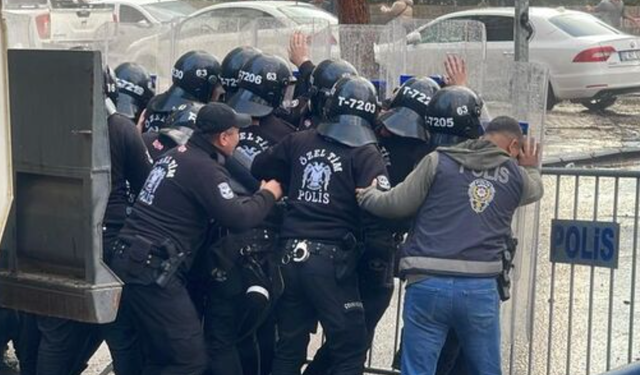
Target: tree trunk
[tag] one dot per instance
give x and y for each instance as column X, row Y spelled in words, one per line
column 353, row 12
column 356, row 42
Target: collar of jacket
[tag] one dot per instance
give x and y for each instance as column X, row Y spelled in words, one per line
column 199, row 140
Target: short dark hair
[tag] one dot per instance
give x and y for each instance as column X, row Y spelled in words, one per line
column 505, row 124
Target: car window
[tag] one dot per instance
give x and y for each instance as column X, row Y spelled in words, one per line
column 499, row 28
column 578, row 25
column 445, row 31
column 209, row 22
column 130, row 15
column 264, row 20
column 16, row 4
column 168, row 10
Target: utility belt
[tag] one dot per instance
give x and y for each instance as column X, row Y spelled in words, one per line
column 144, row 261
column 299, row 251
column 345, row 254
column 257, row 241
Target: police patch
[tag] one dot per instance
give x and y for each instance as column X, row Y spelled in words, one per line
column 383, row 182
column 225, row 190
column 481, row 193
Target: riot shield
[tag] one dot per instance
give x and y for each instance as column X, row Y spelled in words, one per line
column 6, row 178
column 272, row 35
column 378, row 52
column 216, row 35
column 148, row 45
column 51, row 261
column 520, row 91
column 429, row 45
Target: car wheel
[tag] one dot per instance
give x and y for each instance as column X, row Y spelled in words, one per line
column 599, row 104
column 551, row 98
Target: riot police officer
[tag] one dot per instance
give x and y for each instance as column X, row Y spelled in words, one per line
column 195, row 79
column 403, row 141
column 231, row 65
column 186, row 192
column 179, row 128
column 135, row 88
column 322, row 168
column 66, row 345
column 239, row 326
column 447, row 125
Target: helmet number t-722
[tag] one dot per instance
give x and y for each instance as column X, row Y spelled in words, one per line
column 359, row 105
column 417, row 95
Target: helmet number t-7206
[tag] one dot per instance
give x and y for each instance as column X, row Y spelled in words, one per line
column 250, row 77
column 356, row 104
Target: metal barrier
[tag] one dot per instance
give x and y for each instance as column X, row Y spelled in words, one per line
column 582, row 318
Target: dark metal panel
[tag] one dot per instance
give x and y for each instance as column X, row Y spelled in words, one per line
column 52, row 264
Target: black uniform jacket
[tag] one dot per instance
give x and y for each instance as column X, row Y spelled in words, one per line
column 321, row 177
column 188, row 191
column 129, row 163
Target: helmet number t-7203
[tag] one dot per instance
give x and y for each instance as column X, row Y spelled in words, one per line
column 356, row 104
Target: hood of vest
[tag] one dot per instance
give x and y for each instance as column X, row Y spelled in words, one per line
column 477, row 154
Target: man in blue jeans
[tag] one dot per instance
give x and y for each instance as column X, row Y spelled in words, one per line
column 464, row 198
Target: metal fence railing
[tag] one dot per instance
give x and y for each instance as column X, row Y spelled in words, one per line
column 582, row 318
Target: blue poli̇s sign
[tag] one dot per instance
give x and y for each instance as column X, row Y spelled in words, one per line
column 591, row 243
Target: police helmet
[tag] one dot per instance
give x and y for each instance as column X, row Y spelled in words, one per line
column 231, row 65
column 110, row 86
column 408, row 108
column 195, row 77
column 182, row 122
column 322, row 79
column 136, row 88
column 453, row 116
column 350, row 112
column 264, row 83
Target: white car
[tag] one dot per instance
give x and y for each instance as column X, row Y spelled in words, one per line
column 222, row 27
column 589, row 61
column 150, row 12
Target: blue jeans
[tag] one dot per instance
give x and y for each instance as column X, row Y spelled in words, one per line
column 469, row 306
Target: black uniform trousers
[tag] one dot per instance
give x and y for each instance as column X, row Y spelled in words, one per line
column 376, row 290
column 313, row 294
column 169, row 328
column 21, row 329
column 239, row 325
column 66, row 346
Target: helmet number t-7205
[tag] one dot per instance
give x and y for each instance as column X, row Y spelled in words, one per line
column 356, row 104
column 440, row 122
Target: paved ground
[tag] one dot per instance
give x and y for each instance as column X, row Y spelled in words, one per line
column 569, row 129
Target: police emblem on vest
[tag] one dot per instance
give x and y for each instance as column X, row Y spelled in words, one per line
column 164, row 168
column 252, row 144
column 319, row 166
